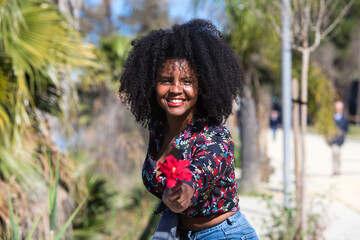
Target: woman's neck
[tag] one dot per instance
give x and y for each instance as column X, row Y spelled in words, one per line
column 175, row 125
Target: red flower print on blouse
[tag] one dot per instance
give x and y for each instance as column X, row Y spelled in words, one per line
column 216, row 171
column 220, row 203
column 175, row 170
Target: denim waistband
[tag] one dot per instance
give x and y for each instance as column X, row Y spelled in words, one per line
column 230, row 220
column 233, row 218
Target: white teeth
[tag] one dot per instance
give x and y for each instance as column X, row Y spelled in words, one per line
column 175, row 100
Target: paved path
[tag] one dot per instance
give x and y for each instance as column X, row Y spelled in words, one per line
column 341, row 194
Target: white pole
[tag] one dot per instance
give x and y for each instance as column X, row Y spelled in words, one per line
column 286, row 94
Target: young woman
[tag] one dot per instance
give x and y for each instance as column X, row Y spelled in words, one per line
column 181, row 83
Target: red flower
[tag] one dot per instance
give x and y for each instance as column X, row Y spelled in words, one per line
column 216, row 171
column 175, row 170
column 221, row 203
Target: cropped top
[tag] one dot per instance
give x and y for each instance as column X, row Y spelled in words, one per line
column 210, row 149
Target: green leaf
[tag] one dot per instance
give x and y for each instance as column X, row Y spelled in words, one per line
column 14, row 224
column 54, row 195
column 28, row 237
column 63, row 229
column 37, row 48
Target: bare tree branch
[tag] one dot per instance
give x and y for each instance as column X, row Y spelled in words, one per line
column 297, row 47
column 314, row 13
column 320, row 16
column 309, row 18
column 337, row 19
column 331, row 9
column 316, row 42
column 306, row 26
column 295, row 17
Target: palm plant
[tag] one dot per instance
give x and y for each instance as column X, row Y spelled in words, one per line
column 115, row 49
column 14, row 233
column 36, row 46
column 39, row 52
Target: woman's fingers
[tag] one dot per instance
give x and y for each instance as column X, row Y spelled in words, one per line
column 179, row 197
column 186, row 194
column 177, row 186
column 175, row 192
column 171, row 194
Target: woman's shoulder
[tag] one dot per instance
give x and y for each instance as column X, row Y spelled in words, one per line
column 212, row 132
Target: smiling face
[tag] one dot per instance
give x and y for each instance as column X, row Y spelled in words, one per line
column 177, row 89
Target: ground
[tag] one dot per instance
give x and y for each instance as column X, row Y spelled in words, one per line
column 340, row 195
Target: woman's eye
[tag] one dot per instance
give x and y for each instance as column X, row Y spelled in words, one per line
column 164, row 81
column 187, row 82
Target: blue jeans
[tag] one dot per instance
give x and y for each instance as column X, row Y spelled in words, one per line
column 234, row 227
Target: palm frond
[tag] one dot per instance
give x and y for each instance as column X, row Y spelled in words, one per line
column 39, row 45
column 40, row 51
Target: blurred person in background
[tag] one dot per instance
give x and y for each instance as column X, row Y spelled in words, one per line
column 181, row 83
column 275, row 122
column 336, row 143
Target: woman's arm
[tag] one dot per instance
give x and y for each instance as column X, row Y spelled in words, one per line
column 211, row 159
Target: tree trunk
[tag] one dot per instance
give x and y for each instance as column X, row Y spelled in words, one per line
column 249, row 165
column 295, row 93
column 357, row 113
column 357, row 116
column 263, row 105
column 304, row 98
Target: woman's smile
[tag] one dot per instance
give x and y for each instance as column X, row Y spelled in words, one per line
column 175, row 102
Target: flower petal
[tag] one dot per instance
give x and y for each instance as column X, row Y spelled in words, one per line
column 164, row 168
column 183, row 164
column 170, row 183
column 185, row 174
column 175, row 170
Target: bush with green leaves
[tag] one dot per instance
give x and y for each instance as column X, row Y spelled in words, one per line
column 14, row 231
column 283, row 220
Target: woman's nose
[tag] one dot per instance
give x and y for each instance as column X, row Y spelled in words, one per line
column 176, row 87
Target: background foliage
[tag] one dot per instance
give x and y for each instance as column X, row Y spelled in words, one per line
column 58, row 84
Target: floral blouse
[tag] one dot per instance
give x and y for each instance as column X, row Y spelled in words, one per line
column 210, row 149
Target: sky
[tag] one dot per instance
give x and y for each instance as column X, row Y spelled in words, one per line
column 180, row 9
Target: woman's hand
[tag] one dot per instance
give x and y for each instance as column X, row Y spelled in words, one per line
column 178, row 198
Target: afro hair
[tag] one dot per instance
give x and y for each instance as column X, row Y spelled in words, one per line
column 202, row 45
